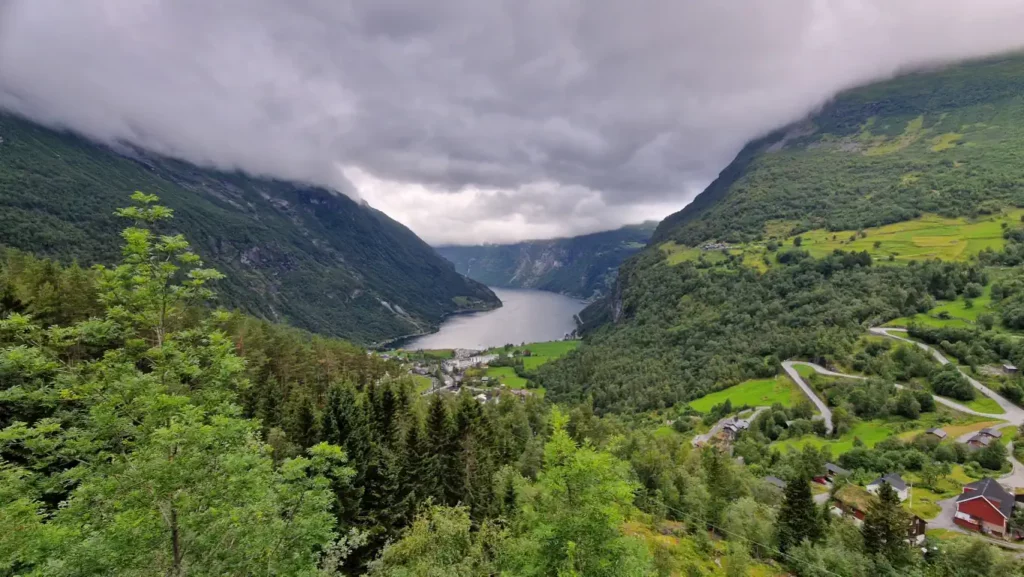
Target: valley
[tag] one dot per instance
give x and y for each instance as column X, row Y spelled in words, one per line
column 811, row 370
column 582, row 267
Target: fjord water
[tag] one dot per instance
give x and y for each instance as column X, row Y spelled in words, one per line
column 526, row 316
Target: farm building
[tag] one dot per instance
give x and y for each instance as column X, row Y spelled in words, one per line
column 832, row 471
column 984, row 506
column 853, row 502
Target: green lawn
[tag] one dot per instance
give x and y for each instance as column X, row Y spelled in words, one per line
column 924, row 503
column 422, row 383
column 804, row 371
column 983, row 404
column 540, row 353
column 870, row 432
column 755, row 393
column 506, row 376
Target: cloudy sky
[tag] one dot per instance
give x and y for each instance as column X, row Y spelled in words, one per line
column 470, row 120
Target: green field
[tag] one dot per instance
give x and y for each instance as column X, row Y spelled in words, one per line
column 870, row 432
column 873, row 432
column 982, row 404
column 758, row 392
column 931, row 236
column 428, row 354
column 540, row 353
column 506, row 376
column 954, row 314
column 422, row 383
column 804, row 371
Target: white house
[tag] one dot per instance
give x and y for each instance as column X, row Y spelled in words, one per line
column 895, row 481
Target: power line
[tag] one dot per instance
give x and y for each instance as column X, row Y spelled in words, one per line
column 749, row 540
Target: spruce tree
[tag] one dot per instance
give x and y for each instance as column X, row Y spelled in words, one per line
column 798, row 517
column 885, row 527
column 444, row 463
column 415, row 486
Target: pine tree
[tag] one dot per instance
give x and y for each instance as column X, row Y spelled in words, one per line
column 415, row 486
column 798, row 517
column 444, row 463
column 885, row 527
column 304, row 429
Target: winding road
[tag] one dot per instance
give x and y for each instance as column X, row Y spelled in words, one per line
column 1013, row 414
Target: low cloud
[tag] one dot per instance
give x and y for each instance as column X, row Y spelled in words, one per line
column 470, row 121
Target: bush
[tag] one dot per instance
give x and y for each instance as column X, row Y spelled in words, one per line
column 948, row 382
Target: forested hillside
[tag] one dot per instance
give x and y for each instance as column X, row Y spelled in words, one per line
column 144, row 433
column 949, row 142
column 684, row 320
column 303, row 255
column 581, row 266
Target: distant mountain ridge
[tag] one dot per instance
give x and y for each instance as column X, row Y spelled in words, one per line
column 581, row 266
column 294, row 253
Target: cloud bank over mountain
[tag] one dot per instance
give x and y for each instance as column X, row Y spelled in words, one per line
column 471, row 120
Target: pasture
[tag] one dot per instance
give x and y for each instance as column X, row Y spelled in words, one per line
column 757, row 392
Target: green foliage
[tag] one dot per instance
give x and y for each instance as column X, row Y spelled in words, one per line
column 136, row 461
column 948, row 382
column 294, row 253
column 567, row 522
column 885, row 528
column 798, row 517
column 880, row 153
column 685, row 331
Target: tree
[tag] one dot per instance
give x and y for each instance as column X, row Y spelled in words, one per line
column 440, row 543
column 907, row 405
column 992, row 457
column 569, row 522
column 798, row 519
column 885, row 527
column 798, row 241
column 154, row 470
column 948, row 382
column 445, row 479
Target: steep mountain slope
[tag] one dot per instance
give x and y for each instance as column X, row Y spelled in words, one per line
column 294, row 253
column 949, row 142
column 582, row 266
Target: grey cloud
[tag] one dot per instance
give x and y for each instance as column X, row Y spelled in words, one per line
column 470, row 120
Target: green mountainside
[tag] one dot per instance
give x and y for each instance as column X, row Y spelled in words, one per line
column 582, row 266
column 721, row 295
column 949, row 142
column 293, row 253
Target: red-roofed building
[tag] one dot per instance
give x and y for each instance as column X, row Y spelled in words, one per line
column 984, row 506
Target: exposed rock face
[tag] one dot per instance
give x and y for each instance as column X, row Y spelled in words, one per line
column 582, row 266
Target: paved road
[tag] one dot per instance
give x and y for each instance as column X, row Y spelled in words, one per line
column 1014, row 414
column 826, row 413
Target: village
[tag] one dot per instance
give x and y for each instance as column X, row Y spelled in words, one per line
column 465, row 370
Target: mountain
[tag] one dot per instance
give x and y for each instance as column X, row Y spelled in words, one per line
column 581, row 266
column 291, row 252
column 947, row 142
column 791, row 252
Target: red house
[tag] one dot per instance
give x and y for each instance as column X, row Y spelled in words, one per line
column 984, row 506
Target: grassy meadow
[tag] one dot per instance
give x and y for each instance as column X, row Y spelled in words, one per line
column 927, row 237
column 757, row 392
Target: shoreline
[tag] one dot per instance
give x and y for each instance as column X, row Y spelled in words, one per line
column 388, row 344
